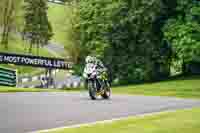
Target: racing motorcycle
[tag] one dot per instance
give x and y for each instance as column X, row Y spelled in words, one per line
column 96, row 82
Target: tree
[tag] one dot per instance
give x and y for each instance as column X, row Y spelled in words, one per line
column 182, row 31
column 73, row 48
column 9, row 10
column 123, row 33
column 37, row 27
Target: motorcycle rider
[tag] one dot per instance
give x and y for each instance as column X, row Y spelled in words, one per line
column 100, row 68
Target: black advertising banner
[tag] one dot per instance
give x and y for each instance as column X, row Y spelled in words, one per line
column 35, row 61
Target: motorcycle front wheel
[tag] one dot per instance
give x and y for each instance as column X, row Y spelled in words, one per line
column 92, row 89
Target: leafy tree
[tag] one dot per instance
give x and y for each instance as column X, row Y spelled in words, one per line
column 37, row 27
column 9, row 11
column 183, row 31
column 123, row 33
column 73, row 47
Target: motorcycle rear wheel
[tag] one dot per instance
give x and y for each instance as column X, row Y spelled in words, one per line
column 107, row 92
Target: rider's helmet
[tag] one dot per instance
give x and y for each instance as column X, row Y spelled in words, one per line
column 89, row 59
column 92, row 59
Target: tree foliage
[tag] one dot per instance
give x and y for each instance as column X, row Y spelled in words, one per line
column 9, row 18
column 182, row 30
column 37, row 27
column 73, row 47
column 123, row 33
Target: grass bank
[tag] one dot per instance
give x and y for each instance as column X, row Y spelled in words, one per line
column 59, row 18
column 185, row 121
column 185, row 87
column 4, row 89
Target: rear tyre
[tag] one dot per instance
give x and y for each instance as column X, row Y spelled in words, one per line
column 107, row 92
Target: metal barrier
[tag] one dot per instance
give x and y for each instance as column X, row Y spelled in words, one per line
column 8, row 77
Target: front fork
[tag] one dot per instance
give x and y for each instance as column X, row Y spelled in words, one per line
column 98, row 84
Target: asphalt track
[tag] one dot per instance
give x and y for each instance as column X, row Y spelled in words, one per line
column 27, row 112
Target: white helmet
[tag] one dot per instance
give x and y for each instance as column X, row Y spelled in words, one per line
column 89, row 59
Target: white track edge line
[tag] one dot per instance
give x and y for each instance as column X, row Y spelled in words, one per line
column 109, row 121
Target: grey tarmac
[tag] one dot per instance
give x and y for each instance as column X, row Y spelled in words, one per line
column 28, row 112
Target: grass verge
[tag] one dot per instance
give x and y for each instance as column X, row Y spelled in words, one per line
column 185, row 87
column 4, row 89
column 184, row 121
column 59, row 18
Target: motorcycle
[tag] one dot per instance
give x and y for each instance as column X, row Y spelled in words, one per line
column 97, row 84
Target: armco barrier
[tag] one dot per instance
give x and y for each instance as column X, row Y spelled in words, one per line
column 8, row 77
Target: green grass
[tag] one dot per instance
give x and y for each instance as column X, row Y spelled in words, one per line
column 4, row 89
column 187, row 121
column 18, row 46
column 182, row 87
column 58, row 16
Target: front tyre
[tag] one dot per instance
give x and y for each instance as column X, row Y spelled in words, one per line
column 92, row 90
